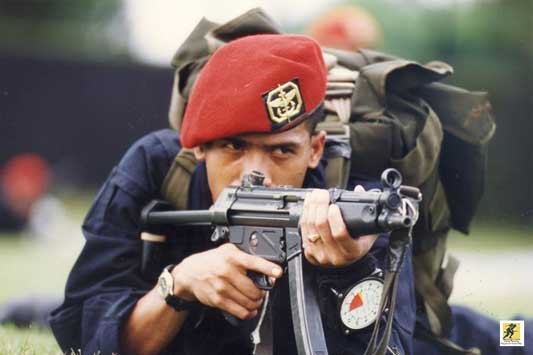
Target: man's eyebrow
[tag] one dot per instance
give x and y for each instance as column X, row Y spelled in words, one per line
column 266, row 145
column 290, row 145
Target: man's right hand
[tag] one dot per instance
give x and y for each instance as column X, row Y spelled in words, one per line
column 218, row 278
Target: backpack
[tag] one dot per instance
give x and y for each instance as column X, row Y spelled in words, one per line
column 382, row 111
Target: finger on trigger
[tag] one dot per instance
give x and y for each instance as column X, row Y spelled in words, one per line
column 263, row 266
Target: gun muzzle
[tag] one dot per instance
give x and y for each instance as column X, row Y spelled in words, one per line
column 397, row 221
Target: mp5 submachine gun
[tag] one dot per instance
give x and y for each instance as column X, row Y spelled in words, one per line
column 264, row 221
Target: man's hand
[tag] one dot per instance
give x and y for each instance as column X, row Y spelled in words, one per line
column 325, row 238
column 217, row 278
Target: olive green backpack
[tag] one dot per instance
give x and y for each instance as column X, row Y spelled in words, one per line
column 382, row 112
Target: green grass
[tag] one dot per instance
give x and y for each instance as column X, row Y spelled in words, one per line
column 32, row 266
column 496, row 263
column 33, row 341
column 493, row 237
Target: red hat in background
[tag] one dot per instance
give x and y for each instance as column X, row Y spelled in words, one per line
column 25, row 177
column 348, row 27
column 255, row 84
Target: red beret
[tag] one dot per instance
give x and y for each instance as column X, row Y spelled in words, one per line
column 255, row 84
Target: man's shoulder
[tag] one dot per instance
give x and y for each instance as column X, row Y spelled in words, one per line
column 145, row 164
column 155, row 148
column 164, row 141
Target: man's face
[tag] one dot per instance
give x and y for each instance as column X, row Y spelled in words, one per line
column 283, row 157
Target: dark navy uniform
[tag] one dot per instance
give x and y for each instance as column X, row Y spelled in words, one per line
column 105, row 282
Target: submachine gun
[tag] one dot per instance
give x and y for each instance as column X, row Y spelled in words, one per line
column 264, row 221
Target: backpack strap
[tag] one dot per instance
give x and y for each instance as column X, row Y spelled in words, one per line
column 426, row 270
column 175, row 188
column 338, row 152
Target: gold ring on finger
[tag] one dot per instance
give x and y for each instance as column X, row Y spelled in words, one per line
column 313, row 237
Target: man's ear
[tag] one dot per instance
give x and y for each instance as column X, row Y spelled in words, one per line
column 199, row 152
column 318, row 142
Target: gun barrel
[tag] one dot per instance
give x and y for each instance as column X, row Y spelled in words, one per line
column 206, row 218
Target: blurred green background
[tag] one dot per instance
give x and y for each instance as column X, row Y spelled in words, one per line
column 488, row 42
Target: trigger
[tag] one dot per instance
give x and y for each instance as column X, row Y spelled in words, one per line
column 261, row 281
column 265, row 283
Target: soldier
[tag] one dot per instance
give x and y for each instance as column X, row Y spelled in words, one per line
column 254, row 107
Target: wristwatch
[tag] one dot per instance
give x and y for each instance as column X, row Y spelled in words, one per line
column 165, row 288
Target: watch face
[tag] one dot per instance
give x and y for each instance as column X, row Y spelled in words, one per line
column 165, row 284
column 360, row 305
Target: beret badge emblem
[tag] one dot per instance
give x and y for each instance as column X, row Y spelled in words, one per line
column 284, row 103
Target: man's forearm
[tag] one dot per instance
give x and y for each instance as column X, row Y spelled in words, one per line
column 151, row 326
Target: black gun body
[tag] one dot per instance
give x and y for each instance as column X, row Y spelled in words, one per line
column 363, row 212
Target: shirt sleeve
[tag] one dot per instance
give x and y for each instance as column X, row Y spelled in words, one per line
column 105, row 282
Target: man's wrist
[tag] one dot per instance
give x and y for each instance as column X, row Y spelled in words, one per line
column 181, row 289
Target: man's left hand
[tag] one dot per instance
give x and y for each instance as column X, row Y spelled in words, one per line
column 326, row 240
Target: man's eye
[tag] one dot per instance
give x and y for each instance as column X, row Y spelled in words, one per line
column 282, row 150
column 234, row 145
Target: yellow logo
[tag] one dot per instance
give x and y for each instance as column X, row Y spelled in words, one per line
column 511, row 333
column 284, row 102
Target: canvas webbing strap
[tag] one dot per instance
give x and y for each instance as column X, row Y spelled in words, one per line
column 339, row 159
column 175, row 188
column 434, row 283
column 445, row 278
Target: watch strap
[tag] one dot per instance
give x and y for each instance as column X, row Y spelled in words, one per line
column 179, row 304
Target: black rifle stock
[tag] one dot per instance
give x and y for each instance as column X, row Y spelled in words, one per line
column 263, row 221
